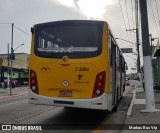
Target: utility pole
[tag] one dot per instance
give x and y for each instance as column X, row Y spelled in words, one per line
column 148, row 78
column 11, row 57
column 8, row 67
column 137, row 42
column 138, row 54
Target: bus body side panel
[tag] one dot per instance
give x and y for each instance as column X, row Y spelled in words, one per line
column 106, row 63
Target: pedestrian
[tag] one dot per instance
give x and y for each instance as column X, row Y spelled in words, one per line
column 143, row 81
column 13, row 84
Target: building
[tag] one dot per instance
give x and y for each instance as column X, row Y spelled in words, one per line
column 19, row 68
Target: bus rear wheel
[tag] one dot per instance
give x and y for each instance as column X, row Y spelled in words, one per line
column 114, row 109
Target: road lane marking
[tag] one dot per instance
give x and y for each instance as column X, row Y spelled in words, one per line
column 12, row 103
column 132, row 102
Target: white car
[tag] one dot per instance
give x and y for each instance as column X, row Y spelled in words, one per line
column 25, row 82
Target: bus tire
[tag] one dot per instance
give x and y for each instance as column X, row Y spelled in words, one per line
column 114, row 109
column 123, row 87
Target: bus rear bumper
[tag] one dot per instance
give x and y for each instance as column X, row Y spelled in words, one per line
column 99, row 103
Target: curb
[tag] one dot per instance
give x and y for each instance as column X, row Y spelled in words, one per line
column 132, row 103
column 8, row 96
column 135, row 101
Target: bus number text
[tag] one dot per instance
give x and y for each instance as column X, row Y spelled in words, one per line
column 81, row 69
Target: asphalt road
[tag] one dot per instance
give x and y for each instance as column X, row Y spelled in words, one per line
column 16, row 110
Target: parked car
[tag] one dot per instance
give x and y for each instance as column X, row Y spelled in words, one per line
column 25, row 82
column 127, row 81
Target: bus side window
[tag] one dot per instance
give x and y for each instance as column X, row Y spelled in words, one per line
column 123, row 65
column 120, row 62
column 111, row 53
column 117, row 59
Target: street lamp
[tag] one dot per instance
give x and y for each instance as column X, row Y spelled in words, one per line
column 125, row 40
column 19, row 46
column 129, row 42
column 12, row 57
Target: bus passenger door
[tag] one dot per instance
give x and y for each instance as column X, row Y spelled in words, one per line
column 113, row 77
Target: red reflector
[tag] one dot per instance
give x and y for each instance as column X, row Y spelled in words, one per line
column 99, row 84
column 33, row 81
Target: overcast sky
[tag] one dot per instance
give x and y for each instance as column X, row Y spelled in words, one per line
column 25, row 13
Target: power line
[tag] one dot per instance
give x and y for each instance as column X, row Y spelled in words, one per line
column 123, row 17
column 132, row 6
column 22, row 31
column 128, row 20
column 153, row 16
column 122, row 14
column 157, row 11
column 132, row 12
column 127, row 15
column 18, row 29
column 5, row 23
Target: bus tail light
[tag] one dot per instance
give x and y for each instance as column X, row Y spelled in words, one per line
column 99, row 84
column 33, row 82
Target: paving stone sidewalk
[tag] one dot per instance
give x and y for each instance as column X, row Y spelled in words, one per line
column 140, row 119
column 4, row 93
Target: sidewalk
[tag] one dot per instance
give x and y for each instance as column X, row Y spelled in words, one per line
column 18, row 91
column 139, row 118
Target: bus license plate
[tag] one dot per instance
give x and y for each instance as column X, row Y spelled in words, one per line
column 64, row 93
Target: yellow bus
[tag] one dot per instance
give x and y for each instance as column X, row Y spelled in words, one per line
column 76, row 64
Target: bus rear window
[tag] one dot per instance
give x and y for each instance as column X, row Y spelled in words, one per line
column 68, row 40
